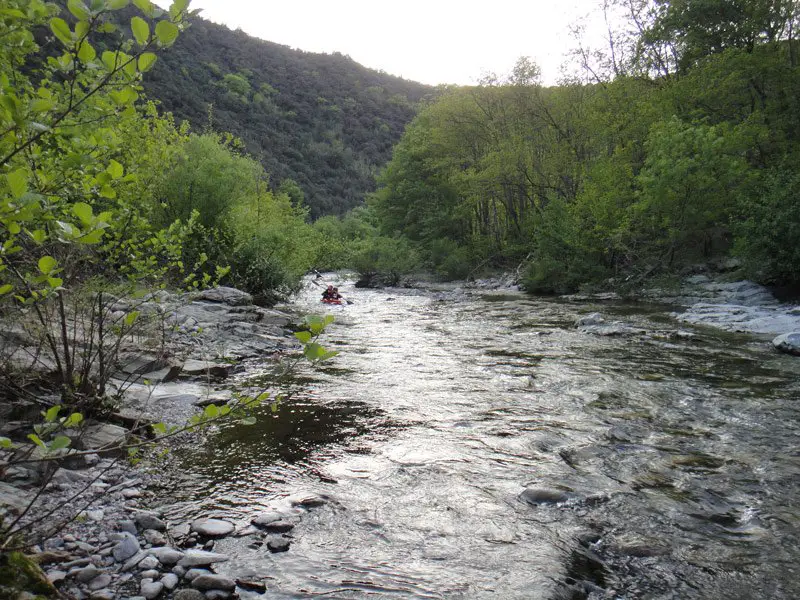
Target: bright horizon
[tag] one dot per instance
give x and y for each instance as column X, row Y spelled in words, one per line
column 444, row 42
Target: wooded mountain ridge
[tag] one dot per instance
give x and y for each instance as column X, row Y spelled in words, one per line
column 322, row 120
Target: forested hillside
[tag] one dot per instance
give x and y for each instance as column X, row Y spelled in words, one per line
column 677, row 146
column 321, row 120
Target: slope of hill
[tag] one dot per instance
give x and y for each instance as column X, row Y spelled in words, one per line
column 322, row 120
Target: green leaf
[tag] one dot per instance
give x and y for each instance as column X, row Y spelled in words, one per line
column 111, row 60
column 83, row 211
column 40, row 105
column 55, row 282
column 146, row 61
column 36, row 440
column 303, row 336
column 52, row 413
column 159, row 428
column 86, row 52
column 247, row 421
column 61, row 29
column 146, row 6
column 115, row 169
column 117, row 4
column 47, row 264
column 178, row 7
column 12, row 12
column 107, row 28
column 5, row 442
column 5, row 289
column 73, row 420
column 60, row 442
column 130, row 318
column 211, row 411
column 14, row 228
column 166, row 32
column 141, row 30
column 18, row 182
column 78, row 9
column 93, row 237
column 107, row 192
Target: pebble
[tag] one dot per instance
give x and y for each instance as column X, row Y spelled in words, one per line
column 170, row 581
column 179, row 570
column 266, row 518
column 192, row 574
column 150, row 573
column 100, row 582
column 151, row 589
column 279, row 526
column 278, row 545
column 150, row 521
column 135, row 560
column 56, row 575
column 201, row 558
column 102, row 595
column 96, row 515
column 212, row 527
column 126, row 548
column 127, row 525
column 213, row 582
column 156, row 538
column 149, row 562
column 167, row 556
column 86, row 574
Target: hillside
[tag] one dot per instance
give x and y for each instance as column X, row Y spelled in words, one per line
column 322, row 120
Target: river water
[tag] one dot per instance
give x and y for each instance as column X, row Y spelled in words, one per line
column 672, row 454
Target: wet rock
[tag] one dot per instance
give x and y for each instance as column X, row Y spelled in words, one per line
column 149, row 562
column 86, row 574
column 213, row 582
column 255, row 586
column 201, row 558
column 592, row 319
column 167, row 556
column 212, row 527
column 103, row 595
column 151, row 589
column 788, row 343
column 206, row 367
column 226, row 295
column 154, row 538
column 310, row 501
column 279, row 526
column 147, row 520
column 100, row 582
column 150, row 574
column 170, row 581
column 193, row 574
column 126, row 548
column 278, row 545
column 218, row 595
column 537, row 496
column 188, row 594
column 266, row 518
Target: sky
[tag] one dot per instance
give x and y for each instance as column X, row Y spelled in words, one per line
column 430, row 41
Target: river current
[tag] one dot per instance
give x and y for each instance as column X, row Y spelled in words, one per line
column 671, row 456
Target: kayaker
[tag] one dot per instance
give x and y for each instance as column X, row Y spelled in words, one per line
column 336, row 294
column 328, row 293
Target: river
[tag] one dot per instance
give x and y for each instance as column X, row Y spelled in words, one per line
column 673, row 457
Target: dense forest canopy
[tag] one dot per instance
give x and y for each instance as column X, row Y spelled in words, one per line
column 323, row 121
column 676, row 146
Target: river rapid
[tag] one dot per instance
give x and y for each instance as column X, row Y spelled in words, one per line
column 661, row 464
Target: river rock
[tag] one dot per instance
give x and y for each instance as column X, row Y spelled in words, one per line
column 213, row 582
column 134, row 560
column 100, row 582
column 206, row 367
column 310, row 501
column 155, row 538
column 151, row 589
column 170, row 581
column 592, row 319
column 278, row 545
column 788, row 343
column 103, row 595
column 167, row 556
column 127, row 525
column 279, row 526
column 201, row 558
column 188, row 594
column 149, row 562
column 256, row 586
column 226, row 295
column 212, row 527
column 265, row 518
column 56, row 575
column 86, row 574
column 218, row 595
column 126, row 548
column 147, row 520
column 537, row 496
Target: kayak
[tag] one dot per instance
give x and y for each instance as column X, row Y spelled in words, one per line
column 332, row 301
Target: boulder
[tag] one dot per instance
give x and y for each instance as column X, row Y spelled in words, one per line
column 226, row 295
column 101, row 435
column 212, row 527
column 788, row 343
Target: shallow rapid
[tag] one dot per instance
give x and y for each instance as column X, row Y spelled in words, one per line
column 661, row 464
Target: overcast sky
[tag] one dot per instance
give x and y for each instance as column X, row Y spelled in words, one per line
column 431, row 41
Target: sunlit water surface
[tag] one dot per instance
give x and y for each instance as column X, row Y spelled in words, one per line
column 678, row 454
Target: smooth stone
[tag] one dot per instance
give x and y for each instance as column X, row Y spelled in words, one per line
column 279, row 526
column 150, row 521
column 310, row 502
column 218, row 595
column 135, row 560
column 201, row 558
column 788, row 343
column 96, row 515
column 213, row 582
column 266, row 518
column 151, row 589
column 278, row 545
column 170, row 581
column 179, row 571
column 149, row 562
column 154, row 538
column 150, row 574
column 543, row 496
column 166, row 556
column 56, row 575
column 192, row 574
column 126, row 548
column 100, row 582
column 188, row 594
column 127, row 525
column 86, row 574
column 131, row 493
column 103, row 595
